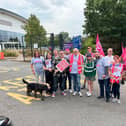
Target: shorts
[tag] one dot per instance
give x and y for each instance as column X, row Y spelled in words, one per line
column 90, row 78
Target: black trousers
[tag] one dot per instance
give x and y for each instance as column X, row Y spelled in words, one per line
column 69, row 79
column 49, row 79
column 58, row 81
column 116, row 90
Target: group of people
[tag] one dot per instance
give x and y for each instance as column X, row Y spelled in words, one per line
column 108, row 68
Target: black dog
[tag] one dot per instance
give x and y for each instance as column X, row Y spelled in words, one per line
column 36, row 87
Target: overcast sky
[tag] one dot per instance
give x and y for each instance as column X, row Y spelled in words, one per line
column 55, row 15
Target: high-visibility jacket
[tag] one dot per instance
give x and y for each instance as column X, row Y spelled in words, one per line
column 115, row 78
column 79, row 62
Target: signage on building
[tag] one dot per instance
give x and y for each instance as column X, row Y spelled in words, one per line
column 76, row 42
column 35, row 45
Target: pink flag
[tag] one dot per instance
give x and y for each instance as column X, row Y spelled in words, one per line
column 123, row 52
column 98, row 46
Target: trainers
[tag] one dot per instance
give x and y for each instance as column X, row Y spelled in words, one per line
column 53, row 95
column 63, row 93
column 80, row 94
column 74, row 93
column 114, row 100
column 70, row 90
column 88, row 94
column 118, row 101
column 47, row 95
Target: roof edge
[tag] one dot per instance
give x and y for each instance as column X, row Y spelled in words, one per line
column 13, row 14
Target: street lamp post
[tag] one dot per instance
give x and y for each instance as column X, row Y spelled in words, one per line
column 23, row 48
column 52, row 42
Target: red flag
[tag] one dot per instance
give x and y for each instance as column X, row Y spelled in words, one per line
column 98, row 46
column 124, row 55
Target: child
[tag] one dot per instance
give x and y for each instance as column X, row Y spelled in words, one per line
column 116, row 76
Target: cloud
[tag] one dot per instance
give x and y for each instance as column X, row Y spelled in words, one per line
column 55, row 15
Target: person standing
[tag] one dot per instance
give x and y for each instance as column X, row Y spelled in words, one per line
column 76, row 62
column 109, row 60
column 116, row 76
column 58, row 77
column 67, row 56
column 56, row 56
column 109, row 57
column 48, row 71
column 37, row 67
column 89, row 72
column 89, row 50
column 103, row 78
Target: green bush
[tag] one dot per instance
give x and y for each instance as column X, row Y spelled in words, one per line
column 10, row 53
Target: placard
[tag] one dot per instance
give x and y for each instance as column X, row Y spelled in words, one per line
column 62, row 65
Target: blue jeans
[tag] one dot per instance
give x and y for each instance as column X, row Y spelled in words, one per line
column 39, row 76
column 104, row 84
column 76, row 81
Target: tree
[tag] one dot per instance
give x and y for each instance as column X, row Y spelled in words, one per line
column 66, row 37
column 35, row 33
column 106, row 17
column 86, row 42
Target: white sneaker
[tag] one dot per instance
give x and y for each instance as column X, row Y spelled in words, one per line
column 118, row 101
column 88, row 94
column 114, row 100
column 74, row 93
column 70, row 90
column 80, row 94
column 53, row 95
column 63, row 93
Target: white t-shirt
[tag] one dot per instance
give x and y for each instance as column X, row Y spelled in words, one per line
column 109, row 60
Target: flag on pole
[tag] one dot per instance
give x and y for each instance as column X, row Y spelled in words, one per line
column 98, row 46
column 123, row 53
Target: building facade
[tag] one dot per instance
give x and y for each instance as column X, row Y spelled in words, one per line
column 11, row 29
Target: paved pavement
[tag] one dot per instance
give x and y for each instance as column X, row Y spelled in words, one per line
column 59, row 111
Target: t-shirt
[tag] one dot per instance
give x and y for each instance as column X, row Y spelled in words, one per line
column 37, row 63
column 48, row 63
column 117, row 69
column 100, row 67
column 67, row 57
column 109, row 60
column 75, row 65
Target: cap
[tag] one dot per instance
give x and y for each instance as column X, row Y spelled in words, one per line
column 67, row 50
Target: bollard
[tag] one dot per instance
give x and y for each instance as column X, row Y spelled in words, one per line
column 1, row 55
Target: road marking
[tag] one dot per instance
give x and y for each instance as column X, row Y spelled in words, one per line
column 6, row 88
column 4, row 69
column 22, row 98
column 13, row 83
column 20, row 87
